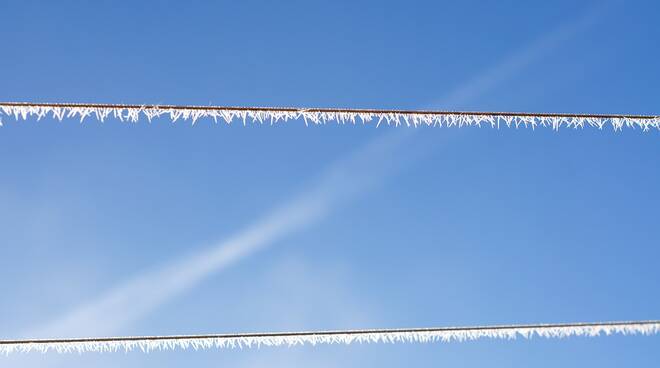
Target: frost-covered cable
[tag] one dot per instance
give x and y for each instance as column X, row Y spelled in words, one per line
column 271, row 115
column 248, row 340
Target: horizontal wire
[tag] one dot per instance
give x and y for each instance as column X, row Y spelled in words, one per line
column 443, row 334
column 133, row 113
column 337, row 332
column 325, row 110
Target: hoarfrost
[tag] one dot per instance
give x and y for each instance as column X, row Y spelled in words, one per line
column 323, row 116
column 444, row 335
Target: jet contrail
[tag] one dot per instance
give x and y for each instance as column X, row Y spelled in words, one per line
column 127, row 303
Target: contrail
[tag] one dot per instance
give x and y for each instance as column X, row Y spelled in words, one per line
column 127, row 303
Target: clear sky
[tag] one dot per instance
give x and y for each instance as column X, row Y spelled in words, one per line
column 104, row 226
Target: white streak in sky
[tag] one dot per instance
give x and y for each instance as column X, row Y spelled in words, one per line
column 129, row 302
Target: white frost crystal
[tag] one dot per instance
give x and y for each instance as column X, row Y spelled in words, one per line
column 322, row 116
column 444, row 335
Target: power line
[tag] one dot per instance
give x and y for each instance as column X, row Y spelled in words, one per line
column 330, row 110
column 23, row 110
column 411, row 335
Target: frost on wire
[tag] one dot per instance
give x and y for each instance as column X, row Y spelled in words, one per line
column 272, row 116
column 445, row 335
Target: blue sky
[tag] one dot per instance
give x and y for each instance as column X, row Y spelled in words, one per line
column 431, row 228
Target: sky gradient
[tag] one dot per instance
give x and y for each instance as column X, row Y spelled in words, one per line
column 430, row 227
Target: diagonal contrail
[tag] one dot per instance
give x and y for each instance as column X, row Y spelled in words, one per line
column 127, row 303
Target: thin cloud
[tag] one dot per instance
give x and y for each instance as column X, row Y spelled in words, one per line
column 122, row 306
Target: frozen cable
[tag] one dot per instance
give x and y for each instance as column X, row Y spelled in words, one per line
column 248, row 340
column 272, row 115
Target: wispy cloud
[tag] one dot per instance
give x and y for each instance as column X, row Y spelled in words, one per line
column 127, row 303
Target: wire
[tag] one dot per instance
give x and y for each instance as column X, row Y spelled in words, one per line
column 441, row 334
column 323, row 115
column 329, row 110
